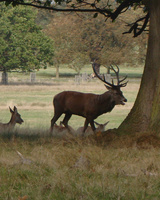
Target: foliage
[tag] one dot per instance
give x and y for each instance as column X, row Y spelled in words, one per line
column 110, row 9
column 23, row 46
column 81, row 39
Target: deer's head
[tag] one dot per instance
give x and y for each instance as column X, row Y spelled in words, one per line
column 16, row 117
column 115, row 90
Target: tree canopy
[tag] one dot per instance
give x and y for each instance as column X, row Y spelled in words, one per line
column 23, row 45
column 80, row 39
column 109, row 9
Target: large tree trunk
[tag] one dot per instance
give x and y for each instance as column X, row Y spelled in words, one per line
column 145, row 114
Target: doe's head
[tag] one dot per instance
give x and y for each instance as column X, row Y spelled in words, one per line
column 16, row 117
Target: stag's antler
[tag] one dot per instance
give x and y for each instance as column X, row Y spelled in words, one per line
column 119, row 82
column 102, row 78
column 117, row 75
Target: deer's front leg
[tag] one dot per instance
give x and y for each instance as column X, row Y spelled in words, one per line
column 92, row 125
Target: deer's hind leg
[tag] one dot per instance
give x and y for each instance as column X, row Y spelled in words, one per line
column 54, row 119
column 85, row 126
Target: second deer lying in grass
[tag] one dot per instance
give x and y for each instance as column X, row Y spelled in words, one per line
column 15, row 118
column 62, row 129
column 100, row 127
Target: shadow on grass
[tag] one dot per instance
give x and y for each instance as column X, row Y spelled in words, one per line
column 24, row 135
column 62, row 75
column 129, row 75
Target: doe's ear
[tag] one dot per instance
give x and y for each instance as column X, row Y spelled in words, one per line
column 15, row 109
column 11, row 111
column 96, row 123
column 106, row 123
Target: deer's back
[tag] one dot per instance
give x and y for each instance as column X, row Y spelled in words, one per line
column 74, row 102
column 4, row 126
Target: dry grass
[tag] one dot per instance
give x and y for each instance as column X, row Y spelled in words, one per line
column 72, row 168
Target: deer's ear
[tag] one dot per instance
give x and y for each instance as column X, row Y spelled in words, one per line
column 106, row 123
column 15, row 109
column 96, row 123
column 11, row 111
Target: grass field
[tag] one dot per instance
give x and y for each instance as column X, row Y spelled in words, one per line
column 72, row 168
column 34, row 102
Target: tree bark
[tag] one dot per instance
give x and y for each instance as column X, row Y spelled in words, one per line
column 145, row 114
column 4, row 78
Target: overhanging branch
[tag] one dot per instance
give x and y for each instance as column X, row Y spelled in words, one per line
column 43, row 6
column 90, row 8
column 135, row 26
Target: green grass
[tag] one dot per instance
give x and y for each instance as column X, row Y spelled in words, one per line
column 48, row 75
column 34, row 102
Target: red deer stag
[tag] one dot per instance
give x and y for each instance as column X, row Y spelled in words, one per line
column 88, row 105
column 15, row 118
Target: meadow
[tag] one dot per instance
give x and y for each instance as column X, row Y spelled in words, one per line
column 35, row 166
column 34, row 101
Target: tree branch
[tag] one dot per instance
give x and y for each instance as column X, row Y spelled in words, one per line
column 108, row 13
column 36, row 4
column 125, row 4
column 134, row 26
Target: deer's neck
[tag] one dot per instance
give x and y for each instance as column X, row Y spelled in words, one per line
column 11, row 122
column 107, row 101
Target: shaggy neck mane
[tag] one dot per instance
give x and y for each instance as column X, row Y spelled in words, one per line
column 106, row 100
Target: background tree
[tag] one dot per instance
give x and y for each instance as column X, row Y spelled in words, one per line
column 23, row 45
column 68, row 46
column 80, row 39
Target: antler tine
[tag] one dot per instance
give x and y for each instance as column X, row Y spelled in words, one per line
column 123, row 79
column 104, row 80
column 123, row 84
column 117, row 73
column 119, row 81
